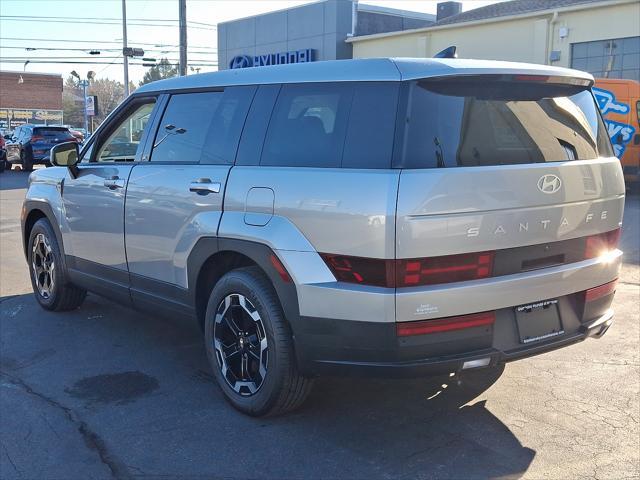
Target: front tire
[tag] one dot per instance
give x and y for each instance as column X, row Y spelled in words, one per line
column 50, row 284
column 250, row 346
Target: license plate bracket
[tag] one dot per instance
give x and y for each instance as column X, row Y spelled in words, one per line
column 538, row 321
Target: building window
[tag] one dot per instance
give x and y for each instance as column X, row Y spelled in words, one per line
column 615, row 58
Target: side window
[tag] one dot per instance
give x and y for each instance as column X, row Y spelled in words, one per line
column 308, row 125
column 255, row 128
column 371, row 129
column 202, row 127
column 123, row 144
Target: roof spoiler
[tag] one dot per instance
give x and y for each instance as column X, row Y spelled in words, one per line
column 449, row 52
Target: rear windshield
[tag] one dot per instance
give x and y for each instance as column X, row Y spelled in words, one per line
column 51, row 133
column 469, row 123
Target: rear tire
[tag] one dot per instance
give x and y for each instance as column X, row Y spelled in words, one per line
column 26, row 160
column 50, row 283
column 256, row 367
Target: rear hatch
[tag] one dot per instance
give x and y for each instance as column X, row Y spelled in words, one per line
column 502, row 175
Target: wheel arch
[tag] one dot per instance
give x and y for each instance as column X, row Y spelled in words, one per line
column 32, row 212
column 212, row 257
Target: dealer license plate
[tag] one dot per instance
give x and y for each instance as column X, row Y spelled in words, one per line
column 538, row 321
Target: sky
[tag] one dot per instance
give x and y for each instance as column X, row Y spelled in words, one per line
column 67, row 30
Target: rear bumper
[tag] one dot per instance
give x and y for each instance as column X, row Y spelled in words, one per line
column 382, row 354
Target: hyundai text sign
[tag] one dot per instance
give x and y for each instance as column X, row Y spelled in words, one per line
column 294, row 56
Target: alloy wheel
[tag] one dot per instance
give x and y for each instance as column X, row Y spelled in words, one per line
column 43, row 265
column 240, row 343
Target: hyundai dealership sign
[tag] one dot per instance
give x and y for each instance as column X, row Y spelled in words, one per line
column 294, row 56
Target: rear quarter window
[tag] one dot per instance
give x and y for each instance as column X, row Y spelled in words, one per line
column 332, row 125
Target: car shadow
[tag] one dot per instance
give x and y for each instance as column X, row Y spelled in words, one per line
column 348, row 428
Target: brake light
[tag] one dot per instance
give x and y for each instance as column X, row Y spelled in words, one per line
column 445, row 269
column 37, row 138
column 425, row 327
column 532, row 78
column 602, row 243
column 600, row 291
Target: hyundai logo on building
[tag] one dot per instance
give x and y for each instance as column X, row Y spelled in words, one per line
column 549, row 184
column 293, row 56
column 241, row 61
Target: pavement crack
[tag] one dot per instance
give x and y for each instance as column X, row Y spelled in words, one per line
column 91, row 439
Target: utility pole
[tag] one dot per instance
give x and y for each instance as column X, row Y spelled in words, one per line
column 182, row 22
column 124, row 47
column 84, row 84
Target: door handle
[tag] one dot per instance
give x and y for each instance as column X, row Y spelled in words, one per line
column 114, row 182
column 204, row 186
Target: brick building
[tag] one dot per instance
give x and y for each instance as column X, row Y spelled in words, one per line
column 27, row 97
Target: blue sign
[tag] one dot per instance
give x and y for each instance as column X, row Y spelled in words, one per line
column 620, row 133
column 282, row 58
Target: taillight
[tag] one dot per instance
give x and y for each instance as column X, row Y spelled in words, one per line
column 366, row 271
column 600, row 291
column 410, row 272
column 602, row 243
column 445, row 269
column 439, row 325
column 37, row 138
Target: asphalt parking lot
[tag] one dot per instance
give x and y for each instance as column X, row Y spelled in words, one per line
column 107, row 392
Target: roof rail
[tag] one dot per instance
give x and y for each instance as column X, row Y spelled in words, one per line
column 449, row 52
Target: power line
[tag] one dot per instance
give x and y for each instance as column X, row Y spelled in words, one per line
column 147, row 50
column 97, row 22
column 31, row 59
column 78, row 62
column 174, row 20
column 96, row 42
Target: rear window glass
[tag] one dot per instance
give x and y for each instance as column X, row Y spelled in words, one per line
column 478, row 123
column 50, row 133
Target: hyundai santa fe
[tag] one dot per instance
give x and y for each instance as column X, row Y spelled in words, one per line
column 394, row 217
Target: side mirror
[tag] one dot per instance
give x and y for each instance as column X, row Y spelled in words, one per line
column 65, row 154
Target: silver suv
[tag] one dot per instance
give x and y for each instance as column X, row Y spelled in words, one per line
column 396, row 217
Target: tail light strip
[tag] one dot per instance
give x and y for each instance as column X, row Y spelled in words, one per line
column 424, row 327
column 415, row 272
column 596, row 293
column 602, row 243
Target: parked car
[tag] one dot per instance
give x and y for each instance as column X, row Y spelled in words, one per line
column 396, row 217
column 79, row 133
column 3, row 155
column 619, row 102
column 30, row 144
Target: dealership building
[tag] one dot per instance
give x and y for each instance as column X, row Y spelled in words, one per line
column 598, row 36
column 27, row 97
